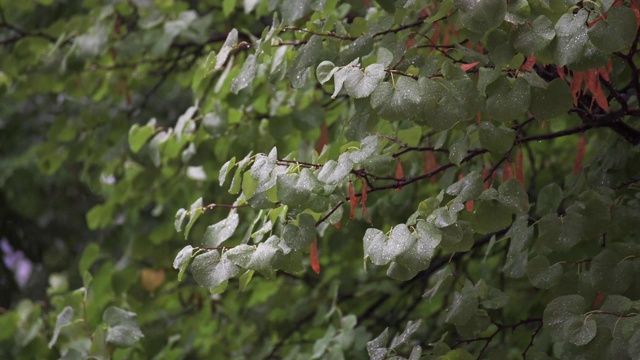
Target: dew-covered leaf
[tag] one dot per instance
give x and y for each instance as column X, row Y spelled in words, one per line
column 138, row 135
column 513, row 196
column 63, row 319
column 221, row 231
column 229, row 43
column 194, row 213
column 561, row 233
column 496, row 139
column 400, row 103
column 490, row 216
column 300, row 237
column 181, row 262
column 542, row 274
column 376, row 348
column 467, row 188
column 325, row 71
column 560, row 310
column 403, row 338
column 123, row 330
column 307, row 56
column 508, row 101
column 571, row 32
column 549, row 199
column 463, row 305
column 616, row 31
column 210, row 270
column 553, row 101
column 360, row 85
column 529, row 39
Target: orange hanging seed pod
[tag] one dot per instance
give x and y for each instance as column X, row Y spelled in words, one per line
column 507, row 171
column 363, row 200
column 353, row 201
column 313, row 257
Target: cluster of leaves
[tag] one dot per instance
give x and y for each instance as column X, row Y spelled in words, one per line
column 479, row 157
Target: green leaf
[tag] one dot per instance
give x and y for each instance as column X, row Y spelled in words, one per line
column 295, row 189
column 610, row 273
column 560, row 310
column 325, row 71
column 459, row 149
column 490, row 216
column 561, row 233
column 513, row 196
column 123, row 330
column 217, row 124
column 229, row 44
column 580, row 332
column 530, row 39
column 307, row 56
column 496, row 139
column 549, row 199
column 450, row 100
column 99, row 349
column 179, row 219
column 246, row 75
column 494, row 299
column 376, row 348
column 362, row 120
column 210, row 270
column 182, row 260
column 293, row 10
column 301, row 236
column 99, row 216
column 508, row 101
column 321, row 345
column 457, row 354
column 467, row 188
column 361, row 85
column 228, row 6
column 224, row 170
column 63, row 319
column 402, row 102
column 542, row 274
column 384, row 57
column 616, row 31
column 221, row 231
column 483, row 15
column 551, row 102
column 456, row 237
column 261, row 258
column 571, row 31
column 499, row 46
column 380, row 165
column 138, row 135
column 333, row 172
column 463, row 305
column 89, row 255
column 381, row 249
column 403, row 338
column 634, row 344
column 244, row 280
column 194, row 214
column 442, row 277
column 414, row 253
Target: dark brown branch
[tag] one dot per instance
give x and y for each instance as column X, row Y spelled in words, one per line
column 327, row 34
column 418, row 22
column 628, row 182
column 499, row 328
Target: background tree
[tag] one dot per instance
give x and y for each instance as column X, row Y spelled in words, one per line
column 386, row 179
